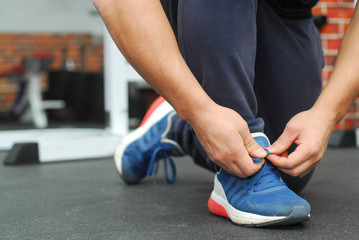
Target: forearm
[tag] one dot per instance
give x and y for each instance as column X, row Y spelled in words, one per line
column 343, row 85
column 142, row 32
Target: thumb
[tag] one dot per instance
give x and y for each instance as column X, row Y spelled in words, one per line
column 283, row 142
column 253, row 148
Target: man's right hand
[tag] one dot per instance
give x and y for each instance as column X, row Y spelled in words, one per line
column 225, row 136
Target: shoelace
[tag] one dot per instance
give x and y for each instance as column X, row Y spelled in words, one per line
column 265, row 178
column 158, row 154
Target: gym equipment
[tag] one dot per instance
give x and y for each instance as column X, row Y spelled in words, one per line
column 75, row 143
column 23, row 153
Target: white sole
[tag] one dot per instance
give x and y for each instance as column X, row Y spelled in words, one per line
column 237, row 216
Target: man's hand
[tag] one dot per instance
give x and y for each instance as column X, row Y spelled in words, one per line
column 226, row 138
column 310, row 131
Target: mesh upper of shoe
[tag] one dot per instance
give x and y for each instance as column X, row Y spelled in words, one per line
column 264, row 193
column 142, row 156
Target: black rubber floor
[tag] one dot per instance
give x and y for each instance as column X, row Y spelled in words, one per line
column 88, row 200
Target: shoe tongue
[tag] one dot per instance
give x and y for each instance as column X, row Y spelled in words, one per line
column 262, row 140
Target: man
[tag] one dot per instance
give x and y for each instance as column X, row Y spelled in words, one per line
column 228, row 67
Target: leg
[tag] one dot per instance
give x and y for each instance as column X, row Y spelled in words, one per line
column 218, row 42
column 288, row 73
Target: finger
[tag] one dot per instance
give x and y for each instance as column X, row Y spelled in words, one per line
column 235, row 170
column 280, row 161
column 291, row 161
column 232, row 169
column 246, row 164
column 274, row 158
column 253, row 148
column 308, row 171
column 300, row 162
column 301, row 170
column 305, row 168
column 224, row 167
column 283, row 142
column 297, row 171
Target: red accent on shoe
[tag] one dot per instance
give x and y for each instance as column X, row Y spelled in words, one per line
column 152, row 108
column 216, row 208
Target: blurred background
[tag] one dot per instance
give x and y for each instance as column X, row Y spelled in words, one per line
column 61, row 42
column 52, row 57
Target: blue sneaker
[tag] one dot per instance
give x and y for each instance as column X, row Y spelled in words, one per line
column 260, row 200
column 138, row 153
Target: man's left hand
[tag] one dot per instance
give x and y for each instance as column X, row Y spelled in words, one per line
column 310, row 131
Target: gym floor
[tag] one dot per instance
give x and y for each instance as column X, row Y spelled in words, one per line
column 87, row 200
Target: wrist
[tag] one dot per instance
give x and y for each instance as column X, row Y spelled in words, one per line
column 195, row 108
column 332, row 105
column 328, row 114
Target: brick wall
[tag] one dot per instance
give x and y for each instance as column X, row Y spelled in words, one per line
column 339, row 13
column 83, row 49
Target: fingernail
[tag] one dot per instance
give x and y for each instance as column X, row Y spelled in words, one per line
column 268, row 153
column 270, row 148
column 261, row 151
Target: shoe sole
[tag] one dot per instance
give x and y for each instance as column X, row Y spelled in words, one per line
column 219, row 205
column 161, row 108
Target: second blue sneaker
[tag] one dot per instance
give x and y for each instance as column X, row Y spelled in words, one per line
column 260, row 200
column 138, row 153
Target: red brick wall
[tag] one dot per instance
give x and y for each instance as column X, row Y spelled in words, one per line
column 15, row 47
column 339, row 13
